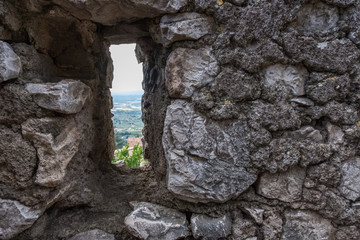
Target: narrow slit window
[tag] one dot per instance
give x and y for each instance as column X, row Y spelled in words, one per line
column 127, row 93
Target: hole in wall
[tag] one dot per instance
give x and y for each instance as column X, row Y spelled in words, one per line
column 127, row 93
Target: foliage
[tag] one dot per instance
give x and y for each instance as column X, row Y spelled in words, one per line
column 120, row 141
column 131, row 161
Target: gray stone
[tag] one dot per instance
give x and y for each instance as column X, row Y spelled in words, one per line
column 243, row 229
column 293, row 78
column 317, row 19
column 209, row 228
column 306, row 132
column 10, row 64
column 305, row 102
column 206, row 162
column 350, row 186
column 15, row 218
column 272, row 225
column 285, row 186
column 154, row 222
column 17, row 157
column 189, row 69
column 67, row 96
column 95, row 234
column 56, row 140
column 185, row 26
column 306, row 225
column 335, row 134
column 256, row 213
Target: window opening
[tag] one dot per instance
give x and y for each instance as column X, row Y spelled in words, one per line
column 127, row 93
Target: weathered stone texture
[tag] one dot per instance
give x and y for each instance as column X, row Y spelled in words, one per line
column 15, row 218
column 95, row 234
column 350, row 187
column 286, row 186
column 56, row 141
column 67, row 96
column 205, row 162
column 151, row 222
column 306, row 225
column 189, row 69
column 184, row 26
column 209, row 228
column 251, row 111
column 10, row 64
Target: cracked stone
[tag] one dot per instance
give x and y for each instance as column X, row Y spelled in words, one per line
column 67, row 96
column 154, row 222
column 209, row 228
column 10, row 63
column 350, row 186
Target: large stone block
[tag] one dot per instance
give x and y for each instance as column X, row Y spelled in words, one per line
column 185, row 26
column 189, row 69
column 153, row 222
column 10, row 64
column 206, row 162
column 285, row 186
column 15, row 218
column 67, row 96
column 209, row 228
column 56, row 140
column 350, row 186
column 306, row 225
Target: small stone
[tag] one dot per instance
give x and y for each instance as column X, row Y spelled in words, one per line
column 335, row 134
column 67, row 96
column 154, row 222
column 285, row 186
column 10, row 63
column 210, row 228
column 56, row 140
column 290, row 76
column 243, row 228
column 306, row 225
column 95, row 234
column 15, row 218
column 350, row 186
column 189, row 69
column 256, row 214
column 185, row 26
column 305, row 102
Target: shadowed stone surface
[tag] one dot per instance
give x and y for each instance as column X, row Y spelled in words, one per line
column 206, row 163
column 15, row 218
column 189, row 69
column 185, row 26
column 56, row 141
column 67, row 96
column 153, row 222
column 306, row 225
column 350, row 186
column 10, row 64
column 286, row 186
column 209, row 228
column 95, row 234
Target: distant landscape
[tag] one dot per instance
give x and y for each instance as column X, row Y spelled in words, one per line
column 127, row 117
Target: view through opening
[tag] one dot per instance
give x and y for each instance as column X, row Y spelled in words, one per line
column 127, row 93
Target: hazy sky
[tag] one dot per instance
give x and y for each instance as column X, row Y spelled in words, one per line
column 127, row 72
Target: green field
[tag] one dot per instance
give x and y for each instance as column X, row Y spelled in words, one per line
column 127, row 117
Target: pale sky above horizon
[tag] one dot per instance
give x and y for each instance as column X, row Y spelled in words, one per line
column 127, row 72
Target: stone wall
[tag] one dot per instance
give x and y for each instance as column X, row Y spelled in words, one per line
column 251, row 113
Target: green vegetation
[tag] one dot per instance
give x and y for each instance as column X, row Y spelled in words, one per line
column 131, row 161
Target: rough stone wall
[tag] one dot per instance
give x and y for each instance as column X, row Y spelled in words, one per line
column 251, row 112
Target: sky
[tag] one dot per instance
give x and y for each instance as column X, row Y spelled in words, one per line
column 127, row 72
